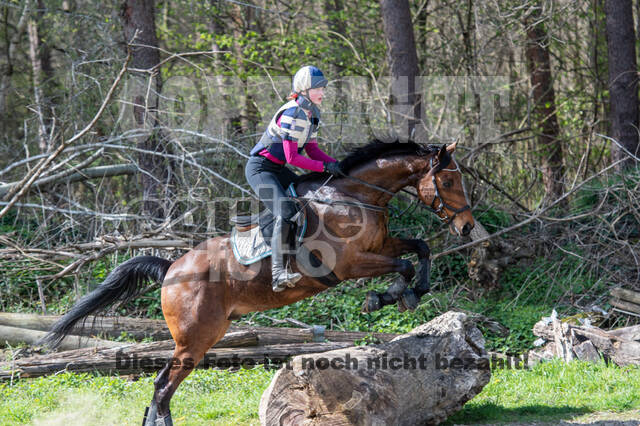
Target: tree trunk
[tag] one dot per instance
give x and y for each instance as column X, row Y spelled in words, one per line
column 623, row 79
column 138, row 19
column 550, row 146
column 340, row 106
column 246, row 119
column 36, row 69
column 421, row 377
column 40, row 56
column 138, row 328
column 406, row 109
column 7, row 69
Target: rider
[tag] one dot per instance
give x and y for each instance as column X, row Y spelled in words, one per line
column 293, row 128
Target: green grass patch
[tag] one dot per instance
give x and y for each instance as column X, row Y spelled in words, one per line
column 553, row 391
column 206, row 397
column 548, row 392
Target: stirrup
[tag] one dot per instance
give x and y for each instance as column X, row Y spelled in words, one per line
column 284, row 280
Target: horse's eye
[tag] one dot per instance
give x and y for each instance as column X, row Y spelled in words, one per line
column 446, row 184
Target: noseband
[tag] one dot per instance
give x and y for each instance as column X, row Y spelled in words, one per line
column 438, row 198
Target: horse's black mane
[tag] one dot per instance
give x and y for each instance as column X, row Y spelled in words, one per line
column 372, row 151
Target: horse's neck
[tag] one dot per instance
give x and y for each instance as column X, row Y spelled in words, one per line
column 390, row 174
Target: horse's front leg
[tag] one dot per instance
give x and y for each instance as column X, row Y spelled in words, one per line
column 367, row 264
column 396, row 247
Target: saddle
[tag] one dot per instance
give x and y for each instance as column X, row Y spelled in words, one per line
column 244, row 223
column 251, row 234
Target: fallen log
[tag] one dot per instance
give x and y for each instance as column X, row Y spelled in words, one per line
column 234, row 339
column 588, row 343
column 625, row 306
column 137, row 359
column 628, row 295
column 15, row 336
column 138, row 328
column 280, row 335
column 627, row 333
column 421, row 377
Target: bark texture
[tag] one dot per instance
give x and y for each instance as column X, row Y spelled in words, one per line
column 403, row 61
column 550, row 145
column 380, row 385
column 623, row 78
column 138, row 18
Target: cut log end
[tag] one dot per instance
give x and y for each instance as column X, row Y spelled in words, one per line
column 417, row 378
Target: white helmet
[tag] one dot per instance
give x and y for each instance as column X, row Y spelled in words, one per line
column 308, row 77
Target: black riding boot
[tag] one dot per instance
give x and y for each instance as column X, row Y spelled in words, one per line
column 282, row 278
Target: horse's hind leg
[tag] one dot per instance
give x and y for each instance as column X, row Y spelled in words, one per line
column 185, row 359
column 151, row 413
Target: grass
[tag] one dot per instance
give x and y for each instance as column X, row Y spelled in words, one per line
column 206, row 397
column 548, row 392
column 552, row 391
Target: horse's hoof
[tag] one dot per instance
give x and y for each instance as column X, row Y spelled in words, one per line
column 164, row 421
column 150, row 415
column 371, row 302
column 408, row 301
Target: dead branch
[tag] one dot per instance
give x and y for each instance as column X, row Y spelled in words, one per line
column 76, row 174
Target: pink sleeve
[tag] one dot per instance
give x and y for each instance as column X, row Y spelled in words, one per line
column 314, row 152
column 295, row 159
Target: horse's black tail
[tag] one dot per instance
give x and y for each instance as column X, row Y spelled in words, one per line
column 122, row 284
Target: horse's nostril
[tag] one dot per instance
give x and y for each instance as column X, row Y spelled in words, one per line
column 466, row 229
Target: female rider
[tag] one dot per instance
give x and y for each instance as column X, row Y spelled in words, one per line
column 293, row 128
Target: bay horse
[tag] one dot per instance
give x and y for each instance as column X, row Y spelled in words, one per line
column 206, row 288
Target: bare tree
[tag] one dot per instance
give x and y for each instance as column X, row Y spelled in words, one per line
column 13, row 41
column 623, row 78
column 138, row 19
column 40, row 56
column 549, row 143
column 403, row 61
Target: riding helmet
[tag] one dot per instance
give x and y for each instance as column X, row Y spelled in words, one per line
column 308, row 77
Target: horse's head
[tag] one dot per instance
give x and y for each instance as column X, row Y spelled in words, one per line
column 441, row 188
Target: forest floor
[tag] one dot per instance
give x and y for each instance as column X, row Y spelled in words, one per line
column 552, row 393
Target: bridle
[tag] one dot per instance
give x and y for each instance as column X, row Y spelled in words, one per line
column 437, row 197
column 437, row 209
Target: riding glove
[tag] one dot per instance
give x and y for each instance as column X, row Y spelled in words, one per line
column 333, row 168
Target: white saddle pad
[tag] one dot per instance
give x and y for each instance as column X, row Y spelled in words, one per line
column 250, row 246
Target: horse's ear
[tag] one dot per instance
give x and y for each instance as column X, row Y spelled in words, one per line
column 442, row 152
column 452, row 147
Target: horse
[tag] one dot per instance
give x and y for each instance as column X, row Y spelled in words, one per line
column 206, row 288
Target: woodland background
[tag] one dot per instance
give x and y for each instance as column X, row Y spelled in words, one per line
column 125, row 127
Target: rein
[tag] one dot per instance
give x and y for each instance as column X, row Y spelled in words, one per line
column 346, row 203
column 435, row 209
